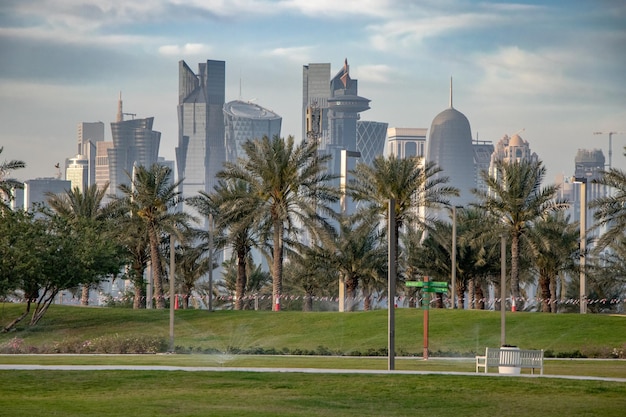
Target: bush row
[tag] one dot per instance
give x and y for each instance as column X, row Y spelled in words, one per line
column 145, row 344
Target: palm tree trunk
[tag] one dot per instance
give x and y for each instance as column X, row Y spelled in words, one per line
column 277, row 270
column 155, row 260
column 308, row 302
column 84, row 296
column 553, row 286
column 352, row 283
column 544, row 288
column 470, row 294
column 240, row 286
column 515, row 290
column 479, row 301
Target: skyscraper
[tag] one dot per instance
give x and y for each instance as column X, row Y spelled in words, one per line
column 406, row 142
column 511, row 149
column 134, row 142
column 315, row 95
column 450, row 148
column 370, row 139
column 89, row 135
column 247, row 121
column 77, row 172
column 200, row 153
column 482, row 160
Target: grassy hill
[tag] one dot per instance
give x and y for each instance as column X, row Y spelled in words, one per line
column 452, row 332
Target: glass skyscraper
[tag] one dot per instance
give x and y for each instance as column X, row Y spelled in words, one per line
column 450, row 148
column 247, row 121
column 370, row 139
column 200, row 153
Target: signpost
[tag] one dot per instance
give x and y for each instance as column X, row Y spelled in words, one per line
column 427, row 287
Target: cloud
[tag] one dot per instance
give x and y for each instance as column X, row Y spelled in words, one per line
column 188, row 49
column 374, row 73
column 297, row 54
column 339, row 9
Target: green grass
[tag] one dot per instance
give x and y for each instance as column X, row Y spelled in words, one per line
column 452, row 332
column 227, row 393
column 154, row 393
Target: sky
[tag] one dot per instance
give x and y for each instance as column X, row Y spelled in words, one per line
column 552, row 71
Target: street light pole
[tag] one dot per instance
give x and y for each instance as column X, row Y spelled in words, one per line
column 210, row 261
column 391, row 285
column 453, row 289
column 172, row 290
column 583, row 243
column 502, row 290
column 343, row 203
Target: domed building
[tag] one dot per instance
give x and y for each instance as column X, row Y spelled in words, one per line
column 450, row 148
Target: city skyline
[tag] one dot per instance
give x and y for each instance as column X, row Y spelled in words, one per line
column 555, row 70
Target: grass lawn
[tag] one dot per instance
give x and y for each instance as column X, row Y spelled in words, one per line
column 178, row 393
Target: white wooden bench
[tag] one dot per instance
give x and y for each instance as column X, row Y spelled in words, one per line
column 518, row 358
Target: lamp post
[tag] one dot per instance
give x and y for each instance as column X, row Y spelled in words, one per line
column 343, row 203
column 172, row 289
column 502, row 290
column 210, row 261
column 583, row 242
column 391, row 285
column 453, row 279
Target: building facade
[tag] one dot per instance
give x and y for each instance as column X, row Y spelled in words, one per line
column 370, row 139
column 200, row 153
column 406, row 142
column 77, row 172
column 315, row 95
column 247, row 121
column 450, row 148
column 35, row 191
column 89, row 135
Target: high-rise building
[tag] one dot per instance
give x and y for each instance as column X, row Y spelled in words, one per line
column 77, row 172
column 406, row 142
column 344, row 107
column 370, row 139
column 134, row 143
column 588, row 164
column 89, row 134
column 35, row 191
column 103, row 176
column 200, row 153
column 482, row 160
column 315, row 95
column 450, row 148
column 511, row 149
column 247, row 121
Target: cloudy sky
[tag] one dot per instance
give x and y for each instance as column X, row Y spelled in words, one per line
column 556, row 69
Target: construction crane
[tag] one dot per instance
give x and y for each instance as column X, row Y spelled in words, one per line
column 610, row 142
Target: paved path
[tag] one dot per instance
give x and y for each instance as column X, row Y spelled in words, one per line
column 290, row 370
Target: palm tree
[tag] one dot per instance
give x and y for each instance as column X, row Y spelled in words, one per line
column 77, row 206
column 233, row 208
column 554, row 244
column 291, row 186
column 8, row 184
column 515, row 196
column 151, row 199
column 611, row 210
column 412, row 183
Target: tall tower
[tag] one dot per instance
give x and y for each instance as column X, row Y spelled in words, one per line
column 200, row 153
column 450, row 148
column 315, row 95
column 370, row 139
column 134, row 142
column 247, row 121
column 89, row 135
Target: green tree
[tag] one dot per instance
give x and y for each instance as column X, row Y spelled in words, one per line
column 554, row 244
column 413, row 183
column 516, row 198
column 84, row 210
column 8, row 184
column 232, row 207
column 292, row 189
column 151, row 199
column 610, row 211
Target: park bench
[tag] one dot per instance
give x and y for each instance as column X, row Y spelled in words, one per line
column 517, row 358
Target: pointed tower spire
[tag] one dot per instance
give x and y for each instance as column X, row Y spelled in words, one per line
column 120, row 114
column 451, row 93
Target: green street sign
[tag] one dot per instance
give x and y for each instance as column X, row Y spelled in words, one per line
column 414, row 283
column 437, row 290
column 439, row 284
